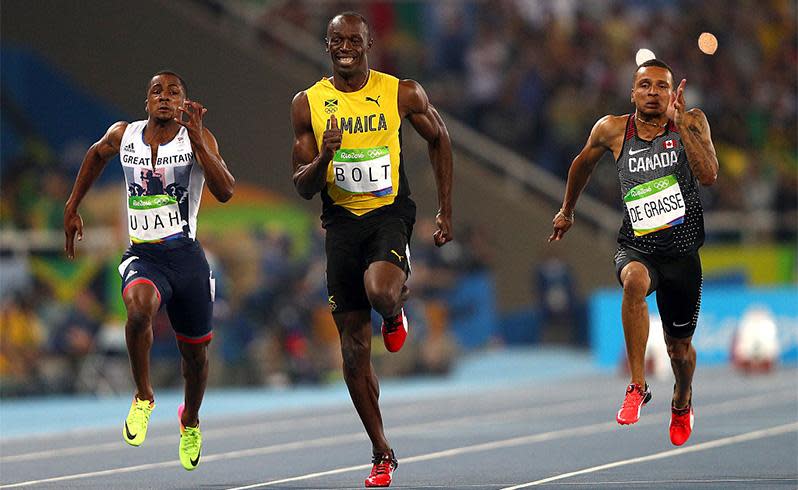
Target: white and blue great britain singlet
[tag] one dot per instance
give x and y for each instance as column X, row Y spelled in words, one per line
column 162, row 202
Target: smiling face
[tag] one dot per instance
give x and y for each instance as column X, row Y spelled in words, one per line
column 348, row 42
column 164, row 95
column 651, row 92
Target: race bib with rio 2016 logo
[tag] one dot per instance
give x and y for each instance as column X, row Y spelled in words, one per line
column 655, row 205
column 363, row 170
column 153, row 218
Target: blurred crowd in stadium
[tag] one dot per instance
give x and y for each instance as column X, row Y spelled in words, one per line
column 537, row 74
column 534, row 75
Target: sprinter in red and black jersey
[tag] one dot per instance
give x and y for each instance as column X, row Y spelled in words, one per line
column 662, row 152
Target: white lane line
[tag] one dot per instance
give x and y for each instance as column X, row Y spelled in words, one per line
column 515, row 441
column 273, row 426
column 782, row 380
column 731, row 405
column 570, row 407
column 637, row 483
column 559, row 408
column 727, row 406
column 726, row 441
column 112, row 471
column 396, row 410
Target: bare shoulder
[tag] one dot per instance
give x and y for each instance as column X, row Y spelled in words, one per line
column 412, row 97
column 300, row 111
column 697, row 117
column 300, row 98
column 117, row 128
column 411, row 85
column 609, row 128
column 696, row 112
column 115, row 133
column 612, row 124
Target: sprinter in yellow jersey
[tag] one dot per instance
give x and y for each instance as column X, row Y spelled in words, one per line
column 347, row 147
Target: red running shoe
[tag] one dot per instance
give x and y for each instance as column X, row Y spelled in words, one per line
column 394, row 331
column 681, row 424
column 382, row 471
column 635, row 398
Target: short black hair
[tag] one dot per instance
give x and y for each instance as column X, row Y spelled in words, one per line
column 351, row 13
column 657, row 63
column 169, row 72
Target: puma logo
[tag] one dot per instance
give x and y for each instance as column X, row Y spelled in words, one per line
column 397, row 255
column 376, row 101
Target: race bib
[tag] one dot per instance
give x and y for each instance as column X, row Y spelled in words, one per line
column 363, row 170
column 153, row 218
column 655, row 205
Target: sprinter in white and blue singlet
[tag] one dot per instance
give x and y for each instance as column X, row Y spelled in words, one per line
column 662, row 152
column 166, row 161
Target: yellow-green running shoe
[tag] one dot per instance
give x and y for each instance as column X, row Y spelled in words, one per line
column 190, row 443
column 138, row 418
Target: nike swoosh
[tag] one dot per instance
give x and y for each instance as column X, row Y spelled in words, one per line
column 636, row 152
column 195, row 462
column 128, row 434
column 681, row 324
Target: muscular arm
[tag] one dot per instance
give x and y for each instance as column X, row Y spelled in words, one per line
column 219, row 179
column 310, row 167
column 697, row 141
column 601, row 139
column 582, row 166
column 93, row 164
column 414, row 104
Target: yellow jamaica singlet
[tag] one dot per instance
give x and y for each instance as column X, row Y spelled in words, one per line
column 366, row 173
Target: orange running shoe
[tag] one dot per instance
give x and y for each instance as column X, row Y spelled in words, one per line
column 681, row 423
column 635, row 398
column 382, row 471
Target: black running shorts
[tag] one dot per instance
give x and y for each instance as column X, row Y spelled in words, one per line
column 183, row 280
column 352, row 245
column 677, row 281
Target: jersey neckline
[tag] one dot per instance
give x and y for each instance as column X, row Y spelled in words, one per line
column 144, row 127
column 361, row 89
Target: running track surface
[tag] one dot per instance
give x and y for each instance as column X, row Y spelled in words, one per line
column 551, row 431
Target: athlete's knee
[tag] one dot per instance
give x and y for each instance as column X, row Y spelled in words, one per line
column 195, row 356
column 141, row 303
column 679, row 349
column 356, row 354
column 139, row 318
column 636, row 280
column 383, row 297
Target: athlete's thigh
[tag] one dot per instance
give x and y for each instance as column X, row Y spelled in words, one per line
column 137, row 268
column 625, row 256
column 345, row 267
column 679, row 295
column 390, row 242
column 191, row 307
